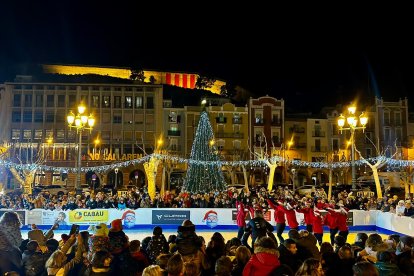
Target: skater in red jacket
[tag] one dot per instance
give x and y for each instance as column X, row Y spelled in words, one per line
column 279, row 217
column 317, row 223
column 241, row 218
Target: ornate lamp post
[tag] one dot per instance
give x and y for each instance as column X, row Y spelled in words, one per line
column 352, row 122
column 81, row 122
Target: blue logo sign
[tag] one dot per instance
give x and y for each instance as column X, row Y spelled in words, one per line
column 169, row 216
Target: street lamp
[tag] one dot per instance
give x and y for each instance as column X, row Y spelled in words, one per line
column 352, row 122
column 81, row 122
column 116, row 179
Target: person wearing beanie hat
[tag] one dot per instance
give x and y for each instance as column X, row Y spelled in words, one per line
column 118, row 241
column 157, row 245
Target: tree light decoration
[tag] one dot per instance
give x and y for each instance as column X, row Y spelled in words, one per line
column 206, row 175
column 151, row 172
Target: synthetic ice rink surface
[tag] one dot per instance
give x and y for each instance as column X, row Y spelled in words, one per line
column 227, row 234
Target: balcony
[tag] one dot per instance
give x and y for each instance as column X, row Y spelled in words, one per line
column 237, row 120
column 229, row 135
column 318, row 133
column 318, row 149
column 174, row 133
column 221, row 120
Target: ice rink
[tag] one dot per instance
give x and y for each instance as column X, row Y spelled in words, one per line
column 227, row 234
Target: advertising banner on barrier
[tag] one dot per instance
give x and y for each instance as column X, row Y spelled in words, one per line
column 82, row 216
column 169, row 216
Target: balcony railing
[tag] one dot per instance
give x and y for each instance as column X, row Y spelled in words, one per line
column 229, row 135
column 174, row 133
column 318, row 133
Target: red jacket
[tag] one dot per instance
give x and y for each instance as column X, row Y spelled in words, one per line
column 330, row 221
column 291, row 218
column 261, row 263
column 279, row 214
column 317, row 224
column 241, row 214
column 341, row 218
column 308, row 214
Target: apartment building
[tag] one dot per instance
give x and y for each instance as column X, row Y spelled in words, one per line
column 127, row 124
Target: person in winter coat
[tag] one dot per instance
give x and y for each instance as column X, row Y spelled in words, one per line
column 33, row 259
column 118, row 241
column 288, row 255
column 264, row 260
column 100, row 264
column 138, row 256
column 10, row 255
column 10, row 225
column 57, row 263
column 190, row 246
column 99, row 241
column 385, row 265
column 258, row 226
column 157, row 245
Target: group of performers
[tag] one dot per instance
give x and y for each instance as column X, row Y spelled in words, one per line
column 285, row 211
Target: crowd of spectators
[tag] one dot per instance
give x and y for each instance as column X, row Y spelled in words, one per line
column 103, row 250
column 257, row 196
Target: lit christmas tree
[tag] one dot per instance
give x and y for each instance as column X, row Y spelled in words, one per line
column 204, row 172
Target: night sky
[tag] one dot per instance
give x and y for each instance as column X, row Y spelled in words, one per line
column 311, row 58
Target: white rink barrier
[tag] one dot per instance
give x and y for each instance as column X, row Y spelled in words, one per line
column 201, row 217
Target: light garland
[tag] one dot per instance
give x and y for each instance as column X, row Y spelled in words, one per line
column 252, row 163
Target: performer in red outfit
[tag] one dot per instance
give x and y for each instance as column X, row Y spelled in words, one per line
column 291, row 215
column 241, row 218
column 279, row 217
column 342, row 216
column 307, row 212
column 317, row 223
column 331, row 221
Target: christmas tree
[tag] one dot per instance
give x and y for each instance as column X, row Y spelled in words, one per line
column 204, row 172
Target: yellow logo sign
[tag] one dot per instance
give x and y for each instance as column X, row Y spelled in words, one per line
column 87, row 216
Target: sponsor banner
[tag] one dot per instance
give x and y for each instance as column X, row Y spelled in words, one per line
column 35, row 216
column 212, row 217
column 82, row 216
column 169, row 216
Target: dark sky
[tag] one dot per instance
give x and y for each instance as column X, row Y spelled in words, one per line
column 318, row 55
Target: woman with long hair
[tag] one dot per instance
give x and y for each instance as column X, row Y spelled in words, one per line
column 310, row 267
column 10, row 225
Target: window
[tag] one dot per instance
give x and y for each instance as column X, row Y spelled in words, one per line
column 60, row 134
column 27, row 134
column 139, row 119
column 39, row 100
column 398, row 134
column 128, row 135
column 117, row 119
column 15, row 134
column 95, row 101
column 149, row 119
column 172, row 117
column 128, row 102
column 236, row 144
column 28, row 100
column 27, row 116
column 387, row 118
column 397, row 118
column 38, row 135
column 335, row 144
column 150, row 102
column 17, row 100
column 16, row 117
column 106, row 118
column 117, row 102
column 50, row 117
column 258, row 117
column 387, row 134
column 60, row 117
column 50, row 100
column 72, row 101
column 138, row 102
column 38, row 117
column 49, row 133
column 106, row 101
column 61, row 101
